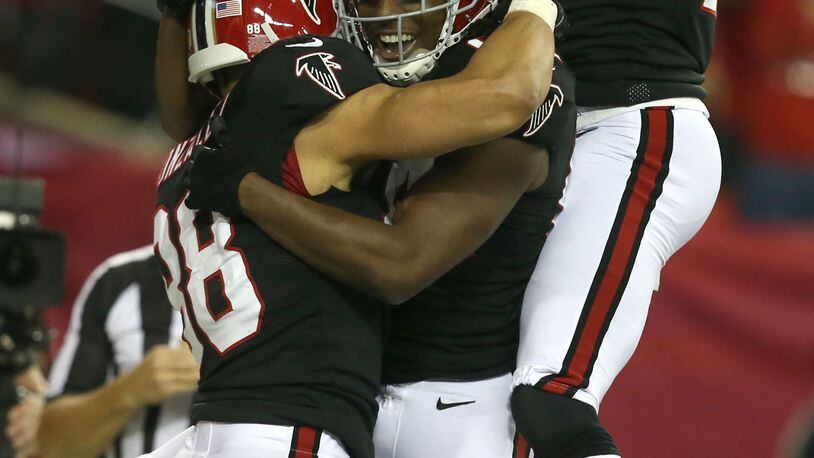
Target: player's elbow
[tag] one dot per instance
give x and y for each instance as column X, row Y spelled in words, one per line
column 401, row 277
column 399, row 287
column 176, row 129
column 517, row 100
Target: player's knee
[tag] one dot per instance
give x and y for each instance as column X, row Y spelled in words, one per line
column 556, row 426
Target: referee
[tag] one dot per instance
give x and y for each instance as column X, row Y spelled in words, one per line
column 121, row 385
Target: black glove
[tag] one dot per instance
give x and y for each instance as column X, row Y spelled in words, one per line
column 179, row 9
column 216, row 170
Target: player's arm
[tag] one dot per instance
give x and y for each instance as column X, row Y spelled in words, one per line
column 182, row 105
column 446, row 217
column 503, row 84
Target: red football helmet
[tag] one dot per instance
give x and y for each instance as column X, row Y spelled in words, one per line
column 223, row 33
column 414, row 63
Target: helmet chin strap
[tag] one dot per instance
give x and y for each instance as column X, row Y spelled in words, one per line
column 410, row 72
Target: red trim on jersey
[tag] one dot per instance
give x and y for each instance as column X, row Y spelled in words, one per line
column 292, row 176
column 228, row 246
column 186, row 272
column 204, row 232
column 228, row 308
column 622, row 250
column 708, row 10
column 166, row 274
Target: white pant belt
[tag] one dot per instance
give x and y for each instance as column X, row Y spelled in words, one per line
column 590, row 116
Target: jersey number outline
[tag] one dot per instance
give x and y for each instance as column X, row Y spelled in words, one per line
column 710, row 6
column 196, row 269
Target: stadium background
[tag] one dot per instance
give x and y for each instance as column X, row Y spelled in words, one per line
column 726, row 364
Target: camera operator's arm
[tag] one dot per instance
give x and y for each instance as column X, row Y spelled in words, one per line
column 100, row 415
column 24, row 418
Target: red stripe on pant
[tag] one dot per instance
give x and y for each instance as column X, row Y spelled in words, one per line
column 521, row 447
column 304, row 442
column 621, row 256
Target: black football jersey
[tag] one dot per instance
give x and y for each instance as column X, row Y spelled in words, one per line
column 625, row 52
column 465, row 326
column 278, row 342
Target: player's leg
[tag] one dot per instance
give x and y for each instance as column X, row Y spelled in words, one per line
column 642, row 185
column 446, row 420
column 232, row 440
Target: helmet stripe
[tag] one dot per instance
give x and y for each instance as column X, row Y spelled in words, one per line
column 199, row 27
column 208, row 23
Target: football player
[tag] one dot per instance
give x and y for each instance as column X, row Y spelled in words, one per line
column 646, row 173
column 451, row 347
column 290, row 361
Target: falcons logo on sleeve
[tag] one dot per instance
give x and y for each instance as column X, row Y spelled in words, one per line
column 319, row 66
column 555, row 99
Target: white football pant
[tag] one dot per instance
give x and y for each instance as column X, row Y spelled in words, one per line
column 245, row 440
column 643, row 182
column 436, row 419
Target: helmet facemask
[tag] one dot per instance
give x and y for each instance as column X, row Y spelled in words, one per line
column 394, row 41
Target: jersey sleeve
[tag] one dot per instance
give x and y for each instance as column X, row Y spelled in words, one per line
column 553, row 127
column 553, row 124
column 298, row 78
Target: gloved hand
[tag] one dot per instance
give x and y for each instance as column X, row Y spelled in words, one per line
column 179, row 9
column 217, row 169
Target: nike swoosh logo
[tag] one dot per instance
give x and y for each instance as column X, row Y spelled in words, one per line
column 442, row 406
column 314, row 43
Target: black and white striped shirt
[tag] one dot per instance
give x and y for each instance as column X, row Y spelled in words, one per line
column 121, row 312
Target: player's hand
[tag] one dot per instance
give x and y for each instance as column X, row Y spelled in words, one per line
column 179, row 9
column 24, row 418
column 216, row 172
column 163, row 373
